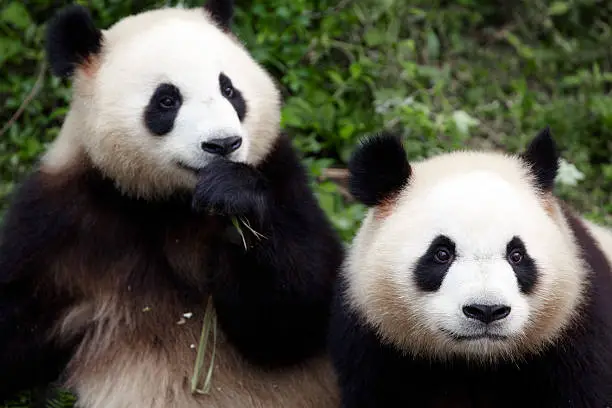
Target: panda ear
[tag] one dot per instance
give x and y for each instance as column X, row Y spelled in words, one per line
column 221, row 11
column 71, row 40
column 378, row 169
column 542, row 157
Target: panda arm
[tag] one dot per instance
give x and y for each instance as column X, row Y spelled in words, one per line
column 31, row 229
column 273, row 299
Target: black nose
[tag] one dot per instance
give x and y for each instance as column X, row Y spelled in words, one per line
column 223, row 146
column 486, row 313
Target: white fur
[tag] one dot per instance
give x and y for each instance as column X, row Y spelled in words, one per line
column 182, row 47
column 480, row 201
column 115, row 368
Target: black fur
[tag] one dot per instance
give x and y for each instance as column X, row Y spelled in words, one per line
column 576, row 372
column 222, row 12
column 31, row 235
column 526, row 271
column 272, row 300
column 163, row 108
column 71, row 38
column 543, row 158
column 236, row 98
column 428, row 273
column 378, row 169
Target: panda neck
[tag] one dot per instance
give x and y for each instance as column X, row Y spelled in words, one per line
column 78, row 173
column 100, row 185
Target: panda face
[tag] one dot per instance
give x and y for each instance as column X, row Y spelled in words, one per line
column 192, row 133
column 469, row 263
column 170, row 92
column 474, row 274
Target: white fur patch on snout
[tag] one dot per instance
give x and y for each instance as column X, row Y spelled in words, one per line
column 470, row 282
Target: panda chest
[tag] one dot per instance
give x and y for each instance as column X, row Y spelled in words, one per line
column 184, row 246
column 190, row 249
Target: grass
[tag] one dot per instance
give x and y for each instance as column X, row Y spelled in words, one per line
column 446, row 75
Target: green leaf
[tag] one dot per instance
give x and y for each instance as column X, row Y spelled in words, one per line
column 291, row 117
column 356, row 70
column 17, row 15
column 433, row 45
column 374, row 37
column 9, row 48
column 347, row 131
column 336, row 78
column 558, row 8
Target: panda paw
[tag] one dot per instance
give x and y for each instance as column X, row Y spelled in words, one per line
column 230, row 188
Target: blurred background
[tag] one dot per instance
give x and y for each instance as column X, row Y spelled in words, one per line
column 445, row 74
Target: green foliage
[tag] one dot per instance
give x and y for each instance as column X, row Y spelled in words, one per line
column 40, row 398
column 446, row 75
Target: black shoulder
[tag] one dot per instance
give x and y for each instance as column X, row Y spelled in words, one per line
column 369, row 372
column 283, row 162
column 32, row 230
column 591, row 252
column 38, row 216
column 587, row 354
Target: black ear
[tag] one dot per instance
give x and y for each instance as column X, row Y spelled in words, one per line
column 543, row 158
column 221, row 11
column 71, row 38
column 378, row 169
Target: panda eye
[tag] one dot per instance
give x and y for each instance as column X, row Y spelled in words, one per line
column 228, row 91
column 167, row 102
column 226, row 86
column 516, row 256
column 443, row 255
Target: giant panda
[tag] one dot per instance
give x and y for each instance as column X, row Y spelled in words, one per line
column 170, row 183
column 469, row 284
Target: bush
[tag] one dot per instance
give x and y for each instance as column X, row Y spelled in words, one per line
column 477, row 73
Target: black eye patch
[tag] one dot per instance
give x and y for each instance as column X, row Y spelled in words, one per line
column 524, row 266
column 431, row 267
column 163, row 108
column 233, row 95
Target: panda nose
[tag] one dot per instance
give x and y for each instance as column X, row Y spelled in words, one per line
column 486, row 313
column 223, row 146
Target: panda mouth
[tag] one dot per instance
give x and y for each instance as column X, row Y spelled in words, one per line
column 472, row 337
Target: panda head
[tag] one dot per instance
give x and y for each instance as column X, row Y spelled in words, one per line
column 159, row 95
column 464, row 255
